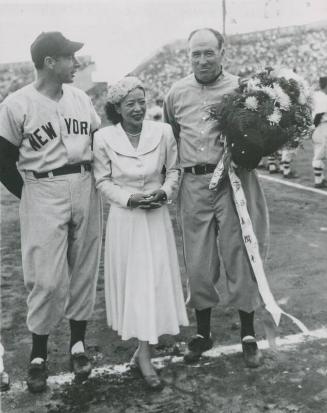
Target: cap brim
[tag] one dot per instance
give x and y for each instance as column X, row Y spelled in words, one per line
column 72, row 47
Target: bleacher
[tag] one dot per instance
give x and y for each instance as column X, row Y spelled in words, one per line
column 302, row 48
column 13, row 76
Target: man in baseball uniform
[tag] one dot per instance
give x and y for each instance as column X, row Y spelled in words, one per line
column 46, row 127
column 204, row 214
column 319, row 136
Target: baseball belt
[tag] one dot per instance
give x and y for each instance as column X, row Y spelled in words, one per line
column 201, row 169
column 64, row 170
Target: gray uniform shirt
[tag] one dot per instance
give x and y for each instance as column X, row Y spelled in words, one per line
column 49, row 134
column 186, row 110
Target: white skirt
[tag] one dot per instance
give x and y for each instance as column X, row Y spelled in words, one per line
column 143, row 289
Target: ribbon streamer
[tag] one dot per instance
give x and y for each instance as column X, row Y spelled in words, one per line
column 251, row 243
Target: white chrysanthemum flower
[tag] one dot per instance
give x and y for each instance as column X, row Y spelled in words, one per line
column 302, row 98
column 305, row 92
column 269, row 91
column 253, row 84
column 275, row 117
column 282, row 98
column 302, row 83
column 251, row 103
column 286, row 73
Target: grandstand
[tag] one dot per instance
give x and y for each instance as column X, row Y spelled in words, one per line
column 302, row 48
column 13, row 76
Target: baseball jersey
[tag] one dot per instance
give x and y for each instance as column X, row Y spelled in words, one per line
column 320, row 104
column 49, row 134
column 186, row 109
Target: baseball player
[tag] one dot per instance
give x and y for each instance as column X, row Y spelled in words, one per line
column 319, row 136
column 4, row 377
column 155, row 112
column 273, row 162
column 47, row 127
column 287, row 157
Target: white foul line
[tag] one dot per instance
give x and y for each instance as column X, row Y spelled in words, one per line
column 286, row 343
column 293, row 184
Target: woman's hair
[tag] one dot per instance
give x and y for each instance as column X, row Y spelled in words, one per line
column 112, row 115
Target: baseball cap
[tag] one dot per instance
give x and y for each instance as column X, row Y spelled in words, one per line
column 52, row 44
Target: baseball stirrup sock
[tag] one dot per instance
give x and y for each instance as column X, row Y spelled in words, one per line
column 77, row 331
column 203, row 322
column 319, row 175
column 39, row 346
column 247, row 327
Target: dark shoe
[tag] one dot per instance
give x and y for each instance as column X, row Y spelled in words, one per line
column 37, row 377
column 251, row 353
column 4, row 381
column 80, row 365
column 152, row 381
column 290, row 175
column 196, row 347
column 321, row 185
column 272, row 169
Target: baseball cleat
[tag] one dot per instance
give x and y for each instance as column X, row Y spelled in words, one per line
column 80, row 365
column 37, row 375
column 251, row 354
column 196, row 347
column 4, row 381
column 321, row 185
column 290, row 175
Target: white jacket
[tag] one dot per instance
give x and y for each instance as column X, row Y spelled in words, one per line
column 120, row 170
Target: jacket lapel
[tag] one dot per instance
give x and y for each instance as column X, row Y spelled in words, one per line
column 119, row 142
column 150, row 138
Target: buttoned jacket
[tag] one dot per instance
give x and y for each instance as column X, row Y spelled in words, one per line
column 120, row 170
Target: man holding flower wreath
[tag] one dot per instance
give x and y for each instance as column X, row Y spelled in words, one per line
column 208, row 216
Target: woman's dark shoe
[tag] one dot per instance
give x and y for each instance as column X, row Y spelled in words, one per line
column 152, row 380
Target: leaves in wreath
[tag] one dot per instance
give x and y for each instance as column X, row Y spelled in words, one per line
column 246, row 150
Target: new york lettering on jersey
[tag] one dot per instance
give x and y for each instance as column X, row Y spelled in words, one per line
column 46, row 132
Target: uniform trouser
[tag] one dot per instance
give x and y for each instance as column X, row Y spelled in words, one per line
column 61, row 229
column 287, row 155
column 319, row 139
column 206, row 217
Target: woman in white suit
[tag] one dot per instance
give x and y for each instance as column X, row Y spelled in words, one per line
column 144, row 297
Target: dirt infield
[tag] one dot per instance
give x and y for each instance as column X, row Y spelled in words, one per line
column 289, row 381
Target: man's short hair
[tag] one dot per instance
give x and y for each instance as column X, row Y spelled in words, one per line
column 218, row 36
column 323, row 82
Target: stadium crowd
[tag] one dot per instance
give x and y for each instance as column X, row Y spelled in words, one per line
column 298, row 48
column 13, row 76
